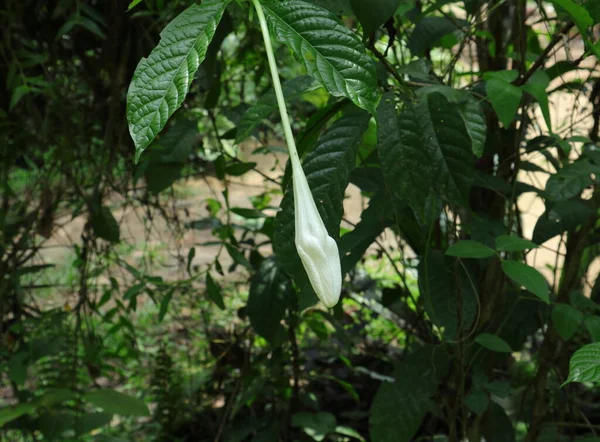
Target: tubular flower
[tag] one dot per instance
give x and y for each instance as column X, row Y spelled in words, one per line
column 318, row 251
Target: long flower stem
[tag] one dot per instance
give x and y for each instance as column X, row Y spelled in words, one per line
column 287, row 128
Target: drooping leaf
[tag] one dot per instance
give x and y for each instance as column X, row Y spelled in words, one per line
column 560, row 217
column 214, row 291
column 315, row 425
column 161, row 82
column 114, row 402
column 440, row 295
column 509, row 243
column 469, row 249
column 475, row 123
column 537, row 86
column 493, row 343
column 584, row 365
column 571, row 180
column 429, row 31
column 327, row 169
column 374, row 13
column 504, row 96
column 331, row 53
column 104, row 224
column 270, row 296
column 399, row 407
column 566, row 320
column 528, row 277
column 267, row 104
column 425, row 149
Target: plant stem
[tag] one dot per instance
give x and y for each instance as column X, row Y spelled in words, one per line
column 287, row 128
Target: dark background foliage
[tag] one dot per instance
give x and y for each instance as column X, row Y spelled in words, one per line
column 164, row 300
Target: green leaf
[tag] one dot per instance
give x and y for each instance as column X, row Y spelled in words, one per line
column 578, row 14
column 373, row 221
column 475, row 123
column 316, row 425
column 214, row 292
column 347, row 431
column 10, row 413
column 585, row 364
column 114, row 402
column 267, row 104
column 537, row 86
column 399, row 407
column 238, row 257
column 105, row 225
column 373, row 13
column 133, row 4
column 239, row 169
column 508, row 243
column 164, row 304
column 497, row 426
column 560, row 217
column 477, row 401
column 327, row 170
column 331, row 53
column 429, row 31
column 248, row 213
column 504, row 96
column 493, row 343
column 436, row 284
column 92, row 421
column 270, row 296
column 566, row 320
column 571, row 180
column 161, row 176
column 161, row 82
column 469, row 249
column 592, row 324
column 528, row 277
column 425, row 149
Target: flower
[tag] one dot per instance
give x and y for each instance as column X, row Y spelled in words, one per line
column 318, row 251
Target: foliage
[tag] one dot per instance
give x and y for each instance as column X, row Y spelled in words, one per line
column 466, row 132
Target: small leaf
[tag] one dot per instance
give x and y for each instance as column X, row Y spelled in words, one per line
column 214, row 292
column 566, row 320
column 505, row 98
column 238, row 257
column 429, row 31
column 508, row 243
column 114, row 402
column 105, row 225
column 164, row 305
column 161, row 82
column 373, row 13
column 190, row 259
column 585, row 364
column 315, row 425
column 331, row 53
column 528, row 277
column 270, row 295
column 493, row 343
column 592, row 324
column 477, row 401
column 248, row 213
column 133, row 4
column 578, row 14
column 239, row 169
column 469, row 249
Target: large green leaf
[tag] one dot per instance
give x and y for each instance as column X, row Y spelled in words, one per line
column 560, row 217
column 161, row 82
column 331, row 53
column 425, row 149
column 374, row 219
column 429, row 31
column 315, row 425
column 373, row 13
column 270, row 296
column 528, row 277
column 504, row 96
column 585, row 364
column 440, row 295
column 508, row 243
column 292, row 90
column 578, row 14
column 327, row 169
column 467, row 248
column 571, row 180
column 400, row 406
column 566, row 320
column 493, row 343
column 114, row 402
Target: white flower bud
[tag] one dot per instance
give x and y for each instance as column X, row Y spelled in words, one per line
column 318, row 251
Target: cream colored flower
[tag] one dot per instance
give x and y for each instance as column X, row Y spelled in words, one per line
column 318, row 251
